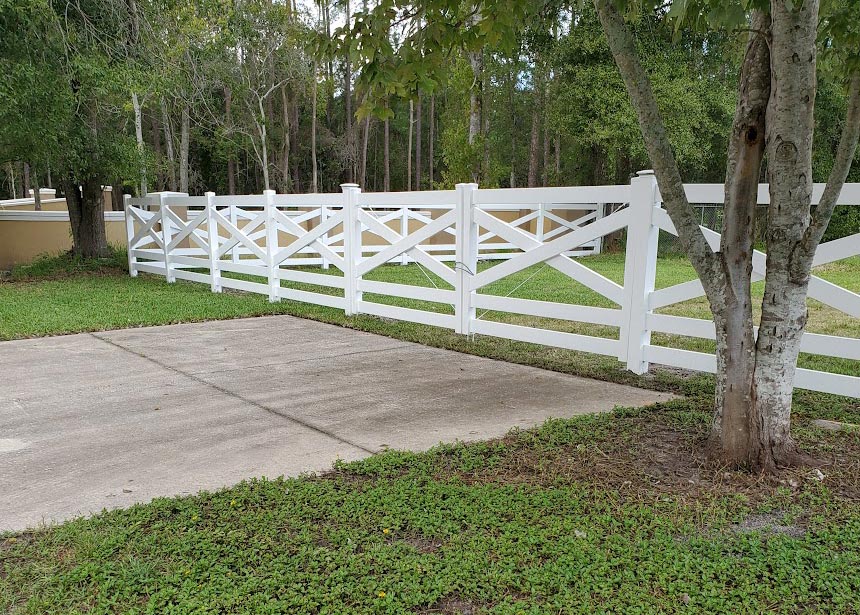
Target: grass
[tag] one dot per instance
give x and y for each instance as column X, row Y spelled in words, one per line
column 605, row 513
column 597, row 514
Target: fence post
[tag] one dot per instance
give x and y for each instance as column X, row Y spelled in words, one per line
column 213, row 241
column 234, row 220
column 539, row 225
column 272, row 247
column 640, row 269
column 466, row 257
column 351, row 246
column 166, row 234
column 404, row 231
column 129, row 235
column 324, row 238
column 599, row 213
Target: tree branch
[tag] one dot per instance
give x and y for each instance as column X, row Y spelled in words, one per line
column 638, row 85
column 802, row 258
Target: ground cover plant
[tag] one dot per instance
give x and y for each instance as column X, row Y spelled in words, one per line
column 604, row 513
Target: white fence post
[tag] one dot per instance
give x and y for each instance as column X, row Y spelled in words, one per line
column 234, row 220
column 212, row 236
column 272, row 247
column 640, row 269
column 404, row 231
column 599, row 213
column 129, row 232
column 466, row 257
column 351, row 246
column 166, row 235
column 539, row 224
column 324, row 238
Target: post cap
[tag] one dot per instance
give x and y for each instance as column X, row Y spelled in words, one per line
column 645, row 172
column 269, row 192
column 349, row 185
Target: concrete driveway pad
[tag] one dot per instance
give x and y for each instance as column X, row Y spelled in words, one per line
column 104, row 420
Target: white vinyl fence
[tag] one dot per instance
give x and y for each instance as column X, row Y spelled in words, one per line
column 276, row 237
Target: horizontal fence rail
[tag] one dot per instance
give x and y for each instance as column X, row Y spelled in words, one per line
column 327, row 245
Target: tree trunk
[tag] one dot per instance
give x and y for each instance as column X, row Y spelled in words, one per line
column 285, row 167
column 362, row 180
column 37, row 194
column 736, row 355
column 347, row 96
column 86, row 217
column 418, row 114
column 25, row 175
column 790, row 125
column 513, row 125
column 431, row 136
column 545, row 174
column 141, row 148
column 184, row 139
column 314, row 180
column 409, row 146
column 534, row 142
column 168, row 144
column 158, row 150
column 386, row 177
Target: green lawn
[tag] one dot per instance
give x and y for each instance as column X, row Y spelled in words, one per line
column 610, row 513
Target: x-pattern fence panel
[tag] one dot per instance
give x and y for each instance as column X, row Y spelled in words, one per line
column 326, row 249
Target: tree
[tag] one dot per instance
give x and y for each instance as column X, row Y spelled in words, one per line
column 70, row 63
column 774, row 118
column 773, row 122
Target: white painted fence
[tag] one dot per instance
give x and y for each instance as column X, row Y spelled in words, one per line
column 447, row 233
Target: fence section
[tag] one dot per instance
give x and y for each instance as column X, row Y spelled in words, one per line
column 466, row 241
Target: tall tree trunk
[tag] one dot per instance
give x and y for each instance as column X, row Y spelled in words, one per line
column 409, row 146
column 157, row 148
column 37, row 194
column 485, row 125
column 513, row 124
column 347, row 96
column 545, row 174
column 231, row 160
column 431, row 137
column 141, row 147
column 285, row 167
column 557, row 178
column 534, row 143
column 418, row 114
column 386, row 144
column 184, row 139
column 362, row 180
column 790, row 125
column 86, row 217
column 476, row 98
column 314, row 179
column 733, row 416
column 168, row 144
column 25, row 179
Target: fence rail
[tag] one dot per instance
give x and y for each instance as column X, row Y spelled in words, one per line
column 274, row 238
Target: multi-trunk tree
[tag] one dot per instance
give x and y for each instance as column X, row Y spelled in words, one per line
column 773, row 127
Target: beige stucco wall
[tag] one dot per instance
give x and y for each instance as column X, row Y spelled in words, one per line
column 21, row 241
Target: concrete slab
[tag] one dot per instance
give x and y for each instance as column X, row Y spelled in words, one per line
column 105, row 420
